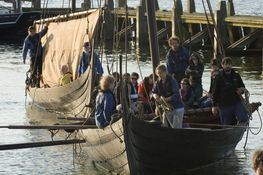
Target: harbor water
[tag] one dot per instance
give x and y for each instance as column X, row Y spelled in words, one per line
column 58, row 160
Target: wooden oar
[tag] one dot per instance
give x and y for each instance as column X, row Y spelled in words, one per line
column 217, row 125
column 39, row 144
column 49, row 127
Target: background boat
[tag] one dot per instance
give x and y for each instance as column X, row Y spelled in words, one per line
column 13, row 26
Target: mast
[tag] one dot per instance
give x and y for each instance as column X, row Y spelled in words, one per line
column 152, row 29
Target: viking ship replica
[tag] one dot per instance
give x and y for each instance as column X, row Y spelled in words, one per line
column 148, row 148
column 63, row 45
column 154, row 150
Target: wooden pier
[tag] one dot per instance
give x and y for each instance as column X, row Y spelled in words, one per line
column 237, row 33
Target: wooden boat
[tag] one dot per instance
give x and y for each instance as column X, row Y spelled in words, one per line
column 14, row 25
column 154, row 150
column 103, row 147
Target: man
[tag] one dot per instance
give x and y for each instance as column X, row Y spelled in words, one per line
column 177, row 59
column 226, row 93
column 166, row 91
column 85, row 60
column 33, row 43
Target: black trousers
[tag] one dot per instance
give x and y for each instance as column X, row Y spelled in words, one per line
column 36, row 70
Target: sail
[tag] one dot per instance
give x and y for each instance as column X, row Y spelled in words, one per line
column 63, row 43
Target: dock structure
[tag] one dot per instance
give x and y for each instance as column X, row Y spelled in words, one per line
column 236, row 33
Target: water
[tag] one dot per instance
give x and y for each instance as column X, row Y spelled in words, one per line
column 59, row 159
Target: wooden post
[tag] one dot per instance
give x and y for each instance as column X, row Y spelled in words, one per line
column 121, row 3
column 36, row 4
column 234, row 33
column 17, row 6
column 192, row 28
column 221, row 15
column 73, row 6
column 86, row 5
column 108, row 19
column 177, row 28
column 152, row 28
column 141, row 25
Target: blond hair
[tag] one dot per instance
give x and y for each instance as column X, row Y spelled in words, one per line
column 257, row 159
column 174, row 38
column 106, row 81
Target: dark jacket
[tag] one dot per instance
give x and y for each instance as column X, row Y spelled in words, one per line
column 195, row 73
column 84, row 63
column 105, row 106
column 34, row 45
column 224, row 88
column 178, row 61
column 169, row 88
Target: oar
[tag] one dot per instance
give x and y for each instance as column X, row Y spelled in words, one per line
column 39, row 144
column 49, row 127
column 217, row 125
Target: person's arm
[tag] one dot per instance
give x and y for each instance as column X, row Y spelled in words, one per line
column 43, row 31
column 155, row 92
column 108, row 107
column 169, row 63
column 175, row 89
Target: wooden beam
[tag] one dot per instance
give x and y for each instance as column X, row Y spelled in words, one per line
column 50, row 127
column 39, row 144
column 245, row 41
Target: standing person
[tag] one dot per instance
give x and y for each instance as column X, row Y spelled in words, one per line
column 177, row 59
column 85, row 61
column 105, row 102
column 166, row 90
column 66, row 75
column 195, row 72
column 226, row 93
column 33, row 43
column 257, row 161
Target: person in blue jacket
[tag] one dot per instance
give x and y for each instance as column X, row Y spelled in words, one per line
column 33, row 43
column 166, row 91
column 177, row 59
column 85, row 60
column 105, row 102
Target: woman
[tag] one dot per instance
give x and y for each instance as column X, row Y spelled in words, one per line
column 144, row 93
column 194, row 73
column 187, row 93
column 105, row 102
column 166, row 92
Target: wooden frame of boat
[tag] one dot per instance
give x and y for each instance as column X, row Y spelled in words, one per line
column 103, row 147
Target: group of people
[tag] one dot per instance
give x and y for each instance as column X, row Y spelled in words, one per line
column 178, row 87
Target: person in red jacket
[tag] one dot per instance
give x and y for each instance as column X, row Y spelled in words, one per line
column 145, row 94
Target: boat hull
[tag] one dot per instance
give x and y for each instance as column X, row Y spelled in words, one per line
column 160, row 150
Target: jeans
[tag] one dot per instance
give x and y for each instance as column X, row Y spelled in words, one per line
column 229, row 114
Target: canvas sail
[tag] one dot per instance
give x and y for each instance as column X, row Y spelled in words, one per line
column 63, row 43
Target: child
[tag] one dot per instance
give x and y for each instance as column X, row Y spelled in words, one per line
column 66, row 75
column 257, row 161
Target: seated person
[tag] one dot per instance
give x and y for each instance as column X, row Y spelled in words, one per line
column 145, row 94
column 206, row 101
column 134, row 86
column 66, row 76
column 105, row 102
column 187, row 93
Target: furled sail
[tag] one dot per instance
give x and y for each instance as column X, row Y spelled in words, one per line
column 63, row 43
